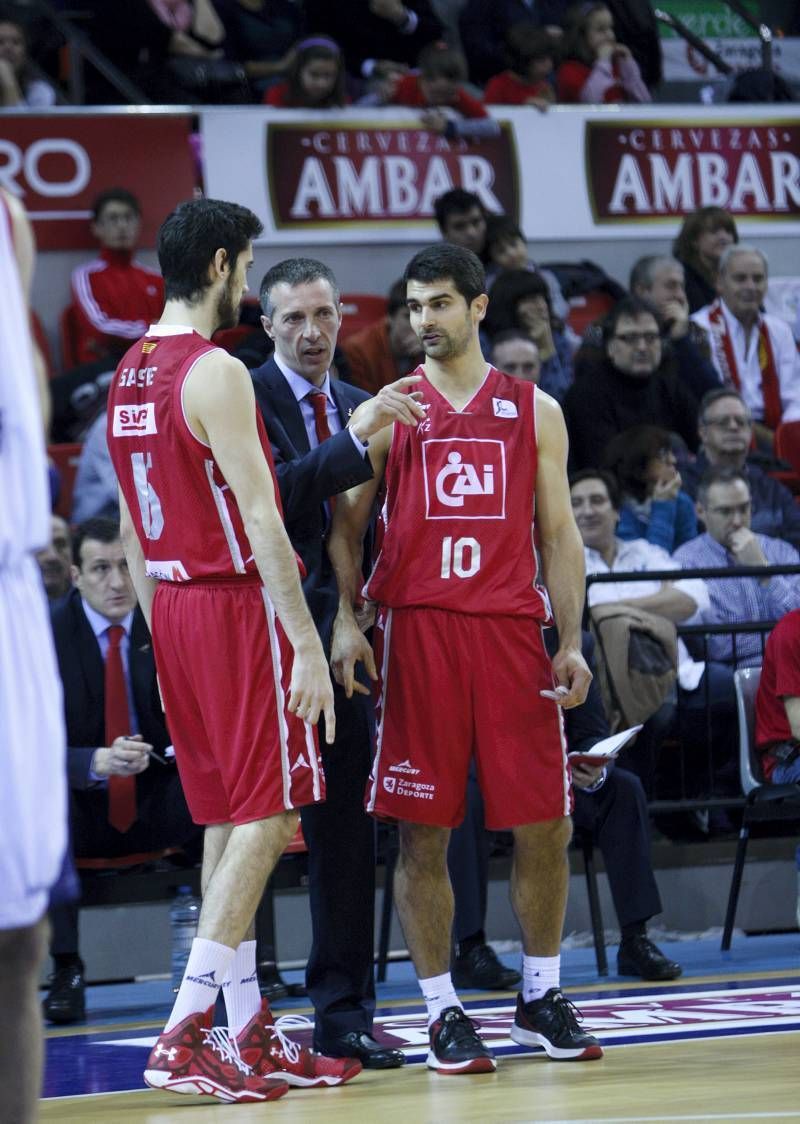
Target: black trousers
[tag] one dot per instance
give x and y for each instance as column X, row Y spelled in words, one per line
column 341, row 856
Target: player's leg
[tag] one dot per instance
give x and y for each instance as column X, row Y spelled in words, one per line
column 21, row 1047
column 539, row 884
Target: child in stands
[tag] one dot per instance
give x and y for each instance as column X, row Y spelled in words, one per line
column 531, row 53
column 315, row 79
column 596, row 68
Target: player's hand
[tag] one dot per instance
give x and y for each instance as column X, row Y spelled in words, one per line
column 392, row 403
column 745, row 547
column 311, row 690
column 571, row 671
column 348, row 646
column 125, row 757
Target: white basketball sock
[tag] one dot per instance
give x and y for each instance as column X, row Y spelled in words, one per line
column 539, row 974
column 205, row 970
column 438, row 993
column 240, row 988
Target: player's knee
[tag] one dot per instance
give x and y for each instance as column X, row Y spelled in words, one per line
column 550, row 835
column 424, row 846
column 21, row 952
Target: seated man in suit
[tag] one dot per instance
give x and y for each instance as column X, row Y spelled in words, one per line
column 125, row 796
column 610, row 803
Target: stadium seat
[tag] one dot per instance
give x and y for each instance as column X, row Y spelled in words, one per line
column 359, row 311
column 65, row 458
column 587, row 308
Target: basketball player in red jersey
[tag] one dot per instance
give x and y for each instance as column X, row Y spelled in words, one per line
column 240, row 664
column 463, row 669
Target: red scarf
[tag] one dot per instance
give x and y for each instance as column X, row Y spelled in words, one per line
column 770, row 385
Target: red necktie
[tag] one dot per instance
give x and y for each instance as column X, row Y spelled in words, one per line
column 319, row 403
column 121, row 790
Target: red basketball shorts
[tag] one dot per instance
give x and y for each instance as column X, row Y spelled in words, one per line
column 453, row 687
column 224, row 666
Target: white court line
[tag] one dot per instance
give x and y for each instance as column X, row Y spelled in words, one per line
column 660, row 1119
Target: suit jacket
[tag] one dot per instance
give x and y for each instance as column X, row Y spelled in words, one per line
column 82, row 670
column 308, row 477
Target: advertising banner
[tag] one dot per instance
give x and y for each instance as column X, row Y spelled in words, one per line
column 56, row 163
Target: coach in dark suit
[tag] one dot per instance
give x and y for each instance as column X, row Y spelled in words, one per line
column 100, row 613
column 319, row 429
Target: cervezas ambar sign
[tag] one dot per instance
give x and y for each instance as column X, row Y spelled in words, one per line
column 663, row 169
column 365, row 174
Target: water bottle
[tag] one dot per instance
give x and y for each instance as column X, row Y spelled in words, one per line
column 184, row 914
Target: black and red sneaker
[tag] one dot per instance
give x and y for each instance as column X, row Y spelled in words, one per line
column 554, row 1023
column 266, row 1047
column 198, row 1059
column 456, row 1046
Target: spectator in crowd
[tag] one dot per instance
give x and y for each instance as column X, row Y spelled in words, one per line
column 261, row 34
column 596, row 68
column 124, row 799
column 703, row 236
column 634, row 384
column 723, row 504
column 610, row 804
column 55, row 560
column 521, row 299
column 726, row 437
column 507, row 248
column 485, row 29
column 654, row 506
column 461, row 217
column 596, row 505
column 778, row 703
column 385, row 350
column 527, row 81
column 752, row 350
column 20, row 82
column 376, row 35
column 95, row 492
column 514, row 352
column 438, row 90
column 315, row 77
column 114, row 296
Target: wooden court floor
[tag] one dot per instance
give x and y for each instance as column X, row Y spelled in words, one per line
column 716, row 1049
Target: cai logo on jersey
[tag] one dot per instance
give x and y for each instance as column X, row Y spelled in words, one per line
column 134, row 421
column 465, row 478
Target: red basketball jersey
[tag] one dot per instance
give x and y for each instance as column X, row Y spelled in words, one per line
column 459, row 510
column 185, row 514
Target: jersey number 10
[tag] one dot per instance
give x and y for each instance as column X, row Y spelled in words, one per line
column 461, row 558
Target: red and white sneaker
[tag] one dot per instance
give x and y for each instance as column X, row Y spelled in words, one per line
column 199, row 1059
column 264, row 1045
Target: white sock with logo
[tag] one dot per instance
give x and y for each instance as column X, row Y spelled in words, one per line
column 208, row 962
column 438, row 993
column 539, row 974
column 240, row 988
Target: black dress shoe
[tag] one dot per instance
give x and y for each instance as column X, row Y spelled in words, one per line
column 371, row 1053
column 66, row 999
column 479, row 967
column 638, row 956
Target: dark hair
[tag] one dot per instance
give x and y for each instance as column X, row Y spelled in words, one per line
column 628, row 454
column 444, row 262
column 115, row 195
column 525, row 44
column 598, row 474
column 294, row 271
column 576, row 26
column 97, row 529
column 455, row 202
column 714, row 395
column 704, row 218
column 397, row 297
column 633, row 308
column 722, row 474
column 512, row 286
column 26, row 73
column 308, row 50
column 501, row 229
column 190, row 237
column 438, row 60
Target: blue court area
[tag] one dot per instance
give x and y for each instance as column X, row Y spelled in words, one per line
column 752, row 989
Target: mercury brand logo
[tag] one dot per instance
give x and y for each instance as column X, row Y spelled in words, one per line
column 404, row 767
column 300, row 763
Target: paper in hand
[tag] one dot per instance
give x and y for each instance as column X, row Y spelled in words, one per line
column 606, row 749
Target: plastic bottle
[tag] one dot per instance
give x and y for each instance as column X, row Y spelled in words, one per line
column 183, row 915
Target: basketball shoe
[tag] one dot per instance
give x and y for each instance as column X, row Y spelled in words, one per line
column 456, row 1047
column 264, row 1045
column 554, row 1022
column 196, row 1058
